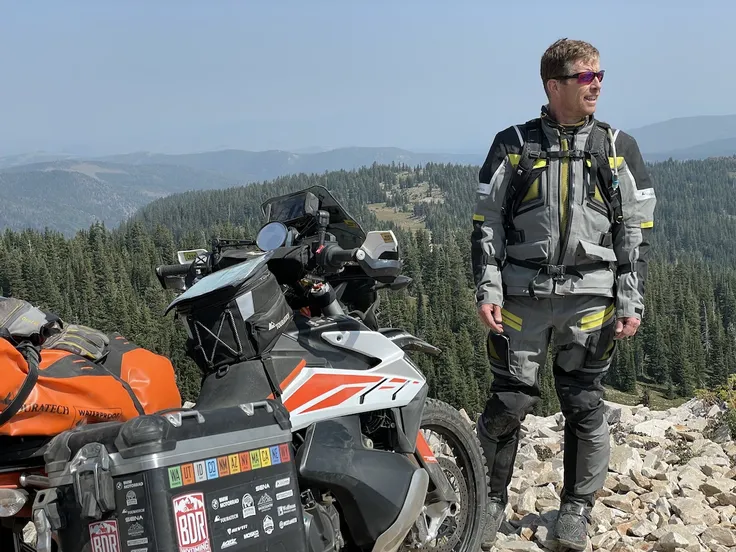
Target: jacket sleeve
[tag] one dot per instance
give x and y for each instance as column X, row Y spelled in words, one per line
column 488, row 237
column 631, row 238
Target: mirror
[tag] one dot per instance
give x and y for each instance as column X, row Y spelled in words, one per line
column 271, row 236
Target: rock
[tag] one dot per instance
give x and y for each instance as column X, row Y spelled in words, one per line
column 718, row 535
column 679, row 538
column 713, row 471
column 715, row 485
column 605, row 540
column 649, row 498
column 624, row 459
column 627, row 484
column 726, row 498
column 721, row 434
column 639, row 479
column 643, row 528
column 691, row 511
column 621, row 502
column 653, row 428
column 527, row 501
column 526, row 533
column 518, row 545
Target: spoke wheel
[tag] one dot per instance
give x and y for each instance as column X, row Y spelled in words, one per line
column 459, row 454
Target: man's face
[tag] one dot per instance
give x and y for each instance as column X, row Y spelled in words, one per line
column 575, row 99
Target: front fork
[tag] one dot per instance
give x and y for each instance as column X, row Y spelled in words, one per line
column 441, row 501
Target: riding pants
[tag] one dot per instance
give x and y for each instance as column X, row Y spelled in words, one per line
column 584, row 339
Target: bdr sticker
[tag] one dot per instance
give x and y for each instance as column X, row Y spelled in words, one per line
column 191, row 523
column 104, row 536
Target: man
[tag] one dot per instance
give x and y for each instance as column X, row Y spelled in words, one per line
column 560, row 242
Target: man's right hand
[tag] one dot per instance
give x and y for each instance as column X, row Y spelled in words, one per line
column 491, row 317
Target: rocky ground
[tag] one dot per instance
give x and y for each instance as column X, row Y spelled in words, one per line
column 671, row 484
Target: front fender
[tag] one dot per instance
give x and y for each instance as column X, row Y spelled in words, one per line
column 409, row 342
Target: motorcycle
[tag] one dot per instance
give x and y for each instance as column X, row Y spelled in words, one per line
column 292, row 317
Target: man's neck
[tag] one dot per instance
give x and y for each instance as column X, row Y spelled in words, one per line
column 564, row 120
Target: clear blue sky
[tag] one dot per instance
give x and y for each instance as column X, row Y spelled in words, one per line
column 176, row 76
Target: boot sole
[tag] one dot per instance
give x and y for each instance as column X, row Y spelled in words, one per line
column 575, row 545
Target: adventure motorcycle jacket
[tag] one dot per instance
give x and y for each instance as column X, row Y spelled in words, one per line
column 573, row 225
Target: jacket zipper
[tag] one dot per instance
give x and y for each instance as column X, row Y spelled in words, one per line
column 566, row 173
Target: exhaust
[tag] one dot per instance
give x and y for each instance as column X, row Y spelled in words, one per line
column 391, row 539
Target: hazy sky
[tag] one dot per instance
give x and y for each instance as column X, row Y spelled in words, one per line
column 177, row 76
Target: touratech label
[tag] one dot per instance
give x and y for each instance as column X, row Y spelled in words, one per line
column 227, row 465
column 45, row 408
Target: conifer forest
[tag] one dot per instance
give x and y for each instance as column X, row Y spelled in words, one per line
column 105, row 278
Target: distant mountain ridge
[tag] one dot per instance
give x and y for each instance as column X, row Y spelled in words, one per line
column 695, row 137
column 250, row 166
column 69, row 194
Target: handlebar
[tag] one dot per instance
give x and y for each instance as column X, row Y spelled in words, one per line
column 164, row 271
column 333, row 256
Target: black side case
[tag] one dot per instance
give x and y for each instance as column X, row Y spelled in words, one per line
column 183, row 481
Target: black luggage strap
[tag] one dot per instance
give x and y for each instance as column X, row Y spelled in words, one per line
column 558, row 272
column 273, row 381
column 32, row 356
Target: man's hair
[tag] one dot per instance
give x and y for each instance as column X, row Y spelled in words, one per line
column 558, row 59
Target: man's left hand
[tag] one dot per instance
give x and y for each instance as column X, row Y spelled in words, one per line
column 626, row 327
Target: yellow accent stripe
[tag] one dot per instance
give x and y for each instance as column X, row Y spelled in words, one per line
column 513, row 321
column 618, row 162
column 511, row 324
column 533, row 192
column 514, row 159
column 492, row 350
column 592, row 321
column 597, row 196
column 564, row 174
column 648, row 224
column 480, row 218
column 609, row 350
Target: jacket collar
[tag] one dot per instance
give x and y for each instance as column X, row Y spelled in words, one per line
column 547, row 117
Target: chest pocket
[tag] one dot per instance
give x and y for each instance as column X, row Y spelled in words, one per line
column 594, row 196
column 534, row 193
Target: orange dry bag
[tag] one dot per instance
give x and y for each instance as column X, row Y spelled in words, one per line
column 74, row 383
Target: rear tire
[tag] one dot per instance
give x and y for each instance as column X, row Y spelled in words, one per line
column 464, row 532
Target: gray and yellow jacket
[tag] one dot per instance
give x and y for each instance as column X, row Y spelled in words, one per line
column 561, row 219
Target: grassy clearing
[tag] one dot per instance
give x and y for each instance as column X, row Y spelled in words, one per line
column 657, row 397
column 388, row 214
column 406, row 219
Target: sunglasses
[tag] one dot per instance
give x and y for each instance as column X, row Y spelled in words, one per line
column 585, row 77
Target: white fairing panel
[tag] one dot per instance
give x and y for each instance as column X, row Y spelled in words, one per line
column 322, row 393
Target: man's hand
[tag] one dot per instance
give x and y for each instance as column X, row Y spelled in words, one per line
column 491, row 317
column 626, row 327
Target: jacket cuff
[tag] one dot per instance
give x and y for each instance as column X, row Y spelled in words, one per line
column 626, row 308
